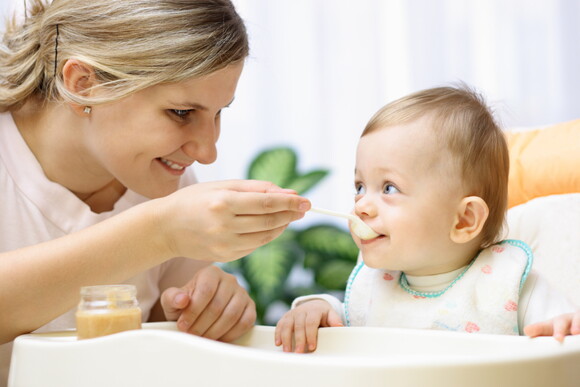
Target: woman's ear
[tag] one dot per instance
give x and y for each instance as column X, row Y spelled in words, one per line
column 78, row 78
column 472, row 212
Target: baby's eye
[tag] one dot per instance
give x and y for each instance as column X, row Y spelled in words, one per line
column 390, row 189
column 181, row 113
column 359, row 189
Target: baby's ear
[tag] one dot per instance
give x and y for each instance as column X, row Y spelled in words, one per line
column 472, row 212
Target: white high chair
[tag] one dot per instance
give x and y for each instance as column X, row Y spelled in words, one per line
column 159, row 355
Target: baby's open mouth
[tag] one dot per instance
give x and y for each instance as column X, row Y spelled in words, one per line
column 379, row 237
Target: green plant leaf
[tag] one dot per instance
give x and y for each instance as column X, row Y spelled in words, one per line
column 334, row 274
column 303, row 183
column 298, row 291
column 327, row 241
column 313, row 260
column 277, row 165
column 267, row 268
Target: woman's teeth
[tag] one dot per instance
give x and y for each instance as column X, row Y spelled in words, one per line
column 171, row 164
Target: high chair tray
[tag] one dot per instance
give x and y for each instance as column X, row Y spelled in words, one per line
column 159, row 355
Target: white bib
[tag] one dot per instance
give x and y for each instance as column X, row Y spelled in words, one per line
column 483, row 298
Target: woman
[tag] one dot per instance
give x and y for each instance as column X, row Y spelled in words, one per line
column 105, row 106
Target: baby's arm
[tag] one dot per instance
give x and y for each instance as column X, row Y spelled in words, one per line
column 303, row 322
column 545, row 311
column 559, row 327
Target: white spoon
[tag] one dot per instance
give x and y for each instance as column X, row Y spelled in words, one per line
column 360, row 228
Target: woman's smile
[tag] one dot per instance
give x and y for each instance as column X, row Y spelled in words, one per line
column 173, row 167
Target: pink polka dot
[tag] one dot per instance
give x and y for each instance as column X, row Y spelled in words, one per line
column 387, row 277
column 471, row 327
column 487, row 269
column 511, row 306
column 498, row 249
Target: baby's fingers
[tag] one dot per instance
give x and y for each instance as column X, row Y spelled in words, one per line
column 544, row 328
column 300, row 333
column 311, row 331
column 284, row 332
column 562, row 327
column 575, row 329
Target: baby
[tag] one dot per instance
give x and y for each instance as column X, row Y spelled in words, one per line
column 431, row 178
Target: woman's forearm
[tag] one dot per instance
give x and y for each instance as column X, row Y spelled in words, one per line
column 41, row 282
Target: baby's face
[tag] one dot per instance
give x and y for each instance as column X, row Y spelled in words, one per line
column 407, row 190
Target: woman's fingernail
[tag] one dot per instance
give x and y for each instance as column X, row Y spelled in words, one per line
column 183, row 325
column 304, row 206
column 180, row 298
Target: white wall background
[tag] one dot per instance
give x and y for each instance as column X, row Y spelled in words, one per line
column 320, row 68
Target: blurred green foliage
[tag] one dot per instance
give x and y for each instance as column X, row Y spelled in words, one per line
column 323, row 252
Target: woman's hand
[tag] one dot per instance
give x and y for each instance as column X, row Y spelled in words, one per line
column 302, row 323
column 224, row 221
column 211, row 305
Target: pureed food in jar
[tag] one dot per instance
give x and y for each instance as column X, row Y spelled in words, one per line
column 107, row 309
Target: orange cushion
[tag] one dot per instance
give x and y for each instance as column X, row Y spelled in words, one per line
column 544, row 162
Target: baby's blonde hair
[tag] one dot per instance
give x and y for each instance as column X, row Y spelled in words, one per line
column 467, row 128
column 130, row 44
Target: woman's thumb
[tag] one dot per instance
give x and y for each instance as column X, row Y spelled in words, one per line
column 173, row 300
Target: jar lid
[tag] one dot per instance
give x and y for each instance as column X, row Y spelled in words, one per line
column 111, row 293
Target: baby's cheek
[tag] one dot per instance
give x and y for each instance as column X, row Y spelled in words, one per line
column 356, row 239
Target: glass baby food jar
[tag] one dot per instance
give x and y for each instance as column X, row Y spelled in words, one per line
column 107, row 309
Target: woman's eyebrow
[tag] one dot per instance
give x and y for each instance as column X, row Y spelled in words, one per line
column 197, row 106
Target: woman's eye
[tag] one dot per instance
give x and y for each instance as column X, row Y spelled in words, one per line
column 359, row 189
column 390, row 189
column 181, row 113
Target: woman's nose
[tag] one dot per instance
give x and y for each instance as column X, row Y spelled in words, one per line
column 201, row 146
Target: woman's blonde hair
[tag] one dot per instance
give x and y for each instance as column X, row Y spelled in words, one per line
column 466, row 126
column 130, row 44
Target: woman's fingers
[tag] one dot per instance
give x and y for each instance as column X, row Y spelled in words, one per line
column 224, row 221
column 202, row 289
column 237, row 318
column 173, row 301
column 257, row 203
column 219, row 315
column 247, row 224
column 219, row 308
column 258, row 197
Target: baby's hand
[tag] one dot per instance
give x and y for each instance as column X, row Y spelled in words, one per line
column 303, row 322
column 559, row 327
